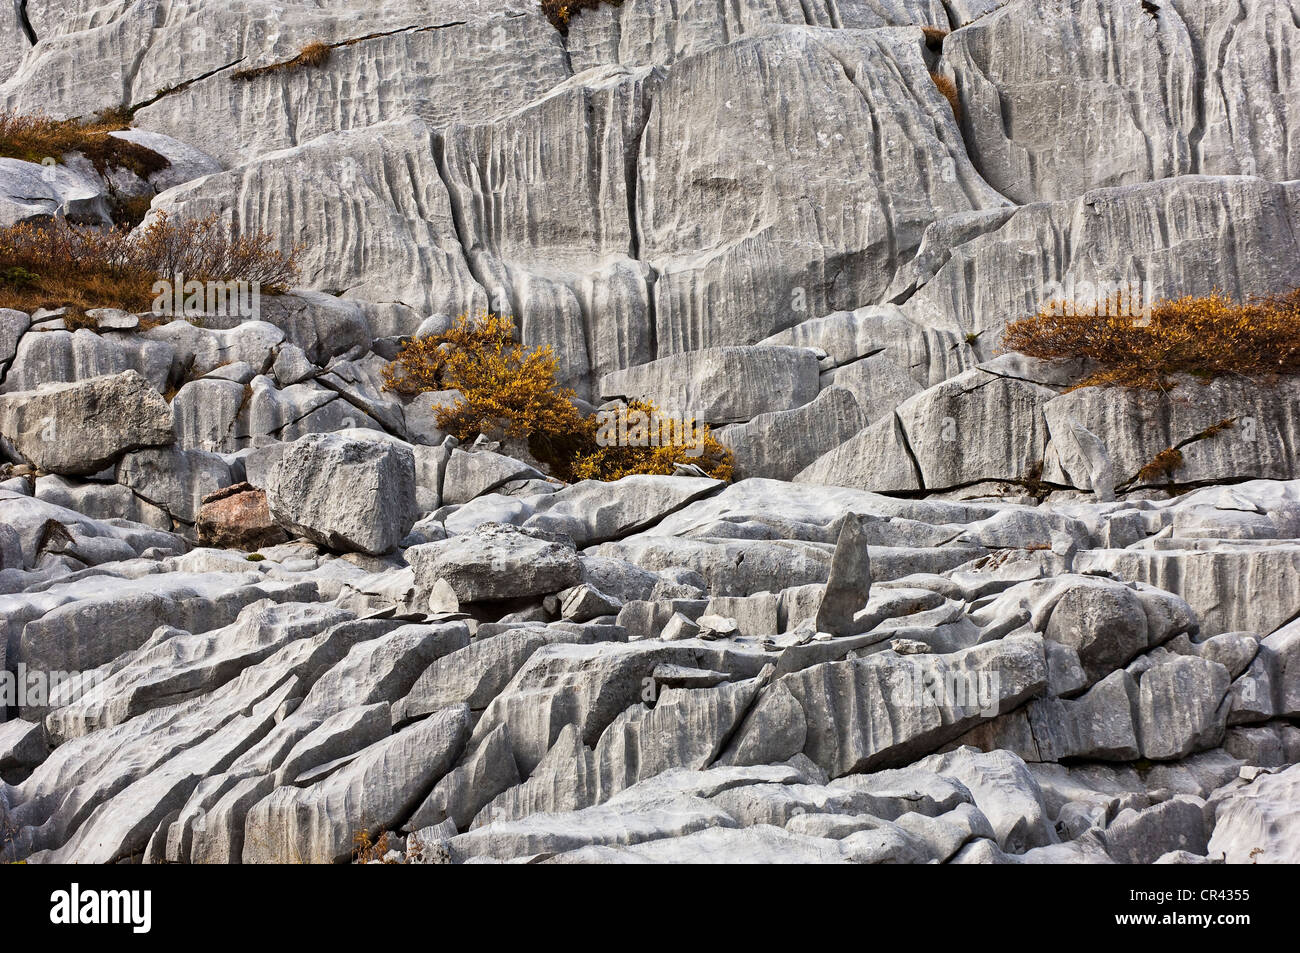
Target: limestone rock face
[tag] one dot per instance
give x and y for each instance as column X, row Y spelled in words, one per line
column 880, row 713
column 409, row 254
column 752, row 145
column 592, row 512
column 382, row 783
column 780, row 444
column 1226, row 426
column 721, row 385
column 257, row 606
column 32, row 191
column 1253, row 822
column 989, row 280
column 82, row 427
column 1135, row 126
column 346, row 494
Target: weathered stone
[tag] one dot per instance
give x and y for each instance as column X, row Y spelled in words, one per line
column 238, row 517
column 174, row 480
column 468, row 475
column 1182, row 707
column 1256, row 822
column 721, row 385
column 875, row 712
column 83, row 427
column 876, row 459
column 849, row 585
column 347, row 494
column 497, row 561
column 1142, row 837
column 782, row 443
column 380, row 787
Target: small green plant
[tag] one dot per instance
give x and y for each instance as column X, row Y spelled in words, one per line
column 18, row 277
column 255, row 557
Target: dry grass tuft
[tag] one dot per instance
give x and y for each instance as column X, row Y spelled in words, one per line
column 1162, row 467
column 1202, row 336
column 934, row 37
column 55, row 265
column 312, row 55
column 949, row 90
column 366, row 851
column 36, row 138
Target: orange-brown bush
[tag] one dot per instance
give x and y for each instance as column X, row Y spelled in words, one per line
column 640, row 438
column 1162, row 466
column 934, row 37
column 510, row 390
column 36, row 138
column 507, row 389
column 949, row 90
column 366, row 850
column 559, row 12
column 312, row 55
column 1203, row 336
column 51, row 265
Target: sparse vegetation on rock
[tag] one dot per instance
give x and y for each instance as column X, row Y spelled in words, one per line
column 54, row 265
column 312, row 55
column 1205, row 336
column 948, row 88
column 37, row 138
column 510, row 390
column 560, row 12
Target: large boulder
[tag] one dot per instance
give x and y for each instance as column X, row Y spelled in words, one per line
column 976, row 426
column 781, row 443
column 497, row 561
column 175, row 480
column 593, row 511
column 343, row 493
column 1226, row 429
column 82, row 427
column 1257, row 822
column 886, row 709
column 29, row 190
column 238, row 517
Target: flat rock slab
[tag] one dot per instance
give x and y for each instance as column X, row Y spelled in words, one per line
column 497, row 561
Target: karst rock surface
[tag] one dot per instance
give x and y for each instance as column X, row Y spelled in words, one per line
column 943, row 614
